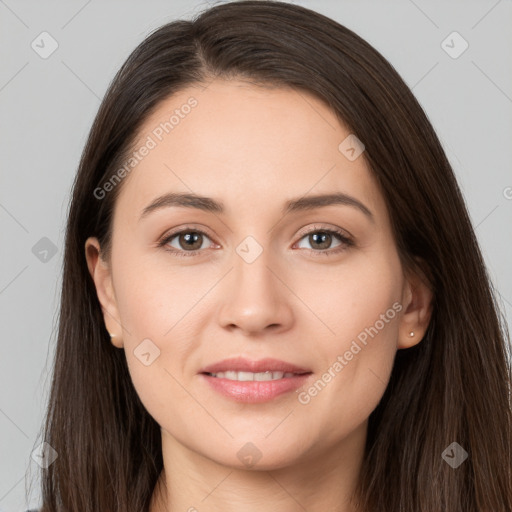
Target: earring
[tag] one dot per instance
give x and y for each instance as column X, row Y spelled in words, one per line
column 112, row 335
column 411, row 333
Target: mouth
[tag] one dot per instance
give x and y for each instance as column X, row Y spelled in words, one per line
column 244, row 380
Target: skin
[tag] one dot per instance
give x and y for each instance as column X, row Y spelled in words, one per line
column 254, row 148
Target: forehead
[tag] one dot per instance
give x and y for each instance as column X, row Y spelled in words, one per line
column 250, row 146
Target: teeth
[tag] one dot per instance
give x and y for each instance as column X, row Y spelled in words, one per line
column 249, row 376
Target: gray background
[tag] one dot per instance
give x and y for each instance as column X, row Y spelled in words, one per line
column 47, row 107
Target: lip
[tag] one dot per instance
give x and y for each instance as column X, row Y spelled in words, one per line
column 255, row 391
column 241, row 364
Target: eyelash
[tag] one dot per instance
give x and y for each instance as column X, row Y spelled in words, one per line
column 346, row 242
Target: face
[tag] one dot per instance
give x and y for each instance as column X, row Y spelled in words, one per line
column 318, row 286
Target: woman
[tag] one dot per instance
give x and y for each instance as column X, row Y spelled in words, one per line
column 371, row 368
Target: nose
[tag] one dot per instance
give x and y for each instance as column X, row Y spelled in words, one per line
column 255, row 298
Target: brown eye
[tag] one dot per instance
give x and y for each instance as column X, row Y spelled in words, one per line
column 321, row 241
column 187, row 242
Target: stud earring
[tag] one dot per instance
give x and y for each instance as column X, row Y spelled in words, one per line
column 411, row 333
column 112, row 335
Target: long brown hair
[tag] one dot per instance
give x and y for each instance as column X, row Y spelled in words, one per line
column 454, row 386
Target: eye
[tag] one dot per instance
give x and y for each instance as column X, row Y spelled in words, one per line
column 189, row 242
column 322, row 238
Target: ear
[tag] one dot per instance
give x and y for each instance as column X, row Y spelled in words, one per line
column 417, row 302
column 102, row 277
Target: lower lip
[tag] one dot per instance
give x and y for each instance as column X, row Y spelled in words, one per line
column 255, row 391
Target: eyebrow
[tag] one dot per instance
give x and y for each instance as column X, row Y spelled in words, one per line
column 209, row 204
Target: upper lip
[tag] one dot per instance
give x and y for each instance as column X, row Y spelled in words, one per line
column 241, row 364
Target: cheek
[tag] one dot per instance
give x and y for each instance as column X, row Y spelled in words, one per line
column 152, row 300
column 349, row 297
column 360, row 310
column 156, row 307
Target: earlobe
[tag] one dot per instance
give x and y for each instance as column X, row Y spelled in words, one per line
column 102, row 277
column 417, row 314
